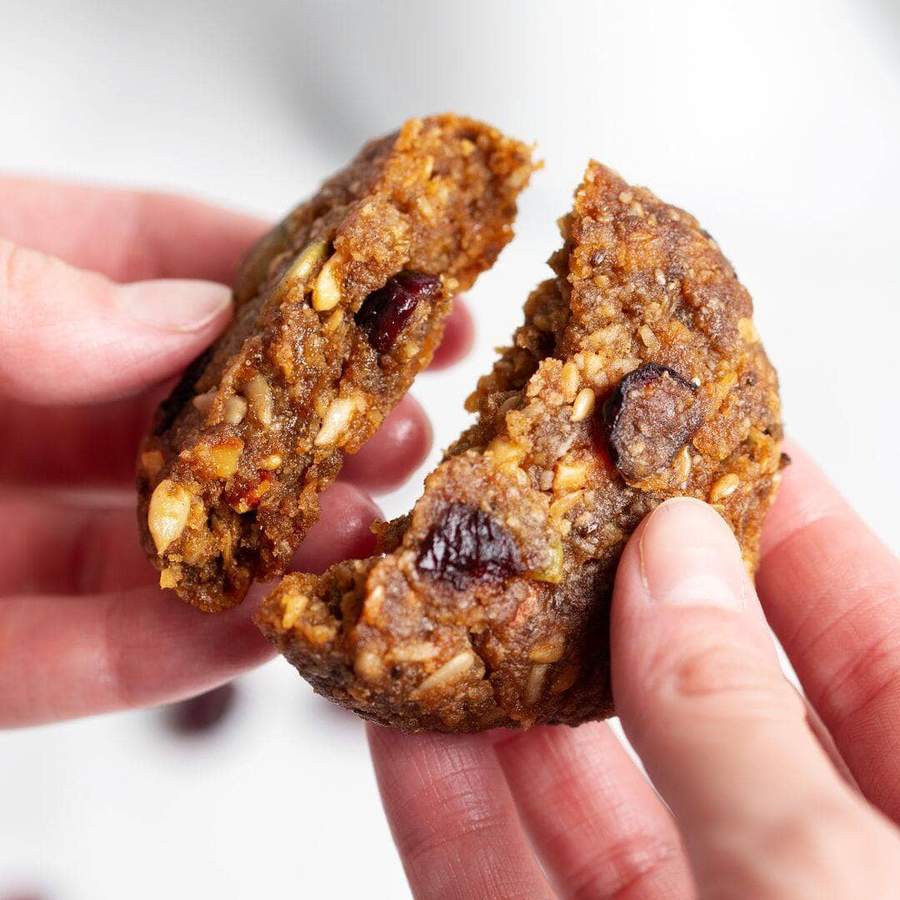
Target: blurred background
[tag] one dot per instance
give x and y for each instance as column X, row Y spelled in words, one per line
column 777, row 124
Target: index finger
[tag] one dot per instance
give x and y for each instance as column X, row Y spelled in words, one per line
column 127, row 235
column 831, row 590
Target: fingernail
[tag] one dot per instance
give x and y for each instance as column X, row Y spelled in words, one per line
column 689, row 557
column 175, row 305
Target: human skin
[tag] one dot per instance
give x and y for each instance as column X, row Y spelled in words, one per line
column 760, row 795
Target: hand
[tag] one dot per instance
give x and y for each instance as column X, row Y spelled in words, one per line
column 767, row 799
column 83, row 626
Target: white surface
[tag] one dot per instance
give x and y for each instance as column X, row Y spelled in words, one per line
column 777, row 124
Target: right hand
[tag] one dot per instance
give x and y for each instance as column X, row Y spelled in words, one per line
column 758, row 797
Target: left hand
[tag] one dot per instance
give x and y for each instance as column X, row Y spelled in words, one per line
column 104, row 294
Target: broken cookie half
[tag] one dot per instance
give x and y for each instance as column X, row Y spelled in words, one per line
column 637, row 376
column 337, row 309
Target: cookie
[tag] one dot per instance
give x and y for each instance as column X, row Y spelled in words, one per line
column 337, row 309
column 638, row 375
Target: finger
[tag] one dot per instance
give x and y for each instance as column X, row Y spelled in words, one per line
column 343, row 531
column 391, row 455
column 452, row 817
column 67, row 544
column 722, row 733
column 87, row 543
column 123, row 234
column 459, row 335
column 64, row 656
column 831, row 592
column 74, row 445
column 73, row 336
column 597, row 825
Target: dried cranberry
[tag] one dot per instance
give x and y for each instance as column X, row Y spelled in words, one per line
column 385, row 311
column 651, row 415
column 201, row 713
column 468, row 544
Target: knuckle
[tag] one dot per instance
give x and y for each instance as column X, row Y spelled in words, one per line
column 628, row 867
column 721, row 674
column 466, row 813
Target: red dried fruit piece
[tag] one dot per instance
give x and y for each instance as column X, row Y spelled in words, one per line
column 202, row 713
column 651, row 415
column 385, row 311
column 468, row 544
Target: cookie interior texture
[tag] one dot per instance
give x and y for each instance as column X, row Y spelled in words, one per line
column 638, row 375
column 337, row 309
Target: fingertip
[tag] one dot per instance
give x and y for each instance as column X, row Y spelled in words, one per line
column 459, row 335
column 681, row 588
column 393, row 453
column 72, row 336
column 344, row 529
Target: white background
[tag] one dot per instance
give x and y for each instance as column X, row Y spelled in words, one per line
column 776, row 123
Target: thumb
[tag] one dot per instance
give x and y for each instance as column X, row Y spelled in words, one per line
column 722, row 733
column 70, row 336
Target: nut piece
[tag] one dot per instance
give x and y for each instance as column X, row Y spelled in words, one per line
column 327, row 289
column 682, row 466
column 570, row 476
column 724, row 487
column 334, row 320
column 553, row 571
column 257, row 391
column 203, row 402
column 534, row 686
column 271, row 462
column 302, row 266
column 548, row 651
column 168, row 578
column 649, row 339
column 506, row 453
column 235, row 409
column 336, row 420
column 293, row 606
column 583, row 405
column 168, row 513
column 368, row 665
column 225, row 457
column 448, row 673
column 569, row 380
